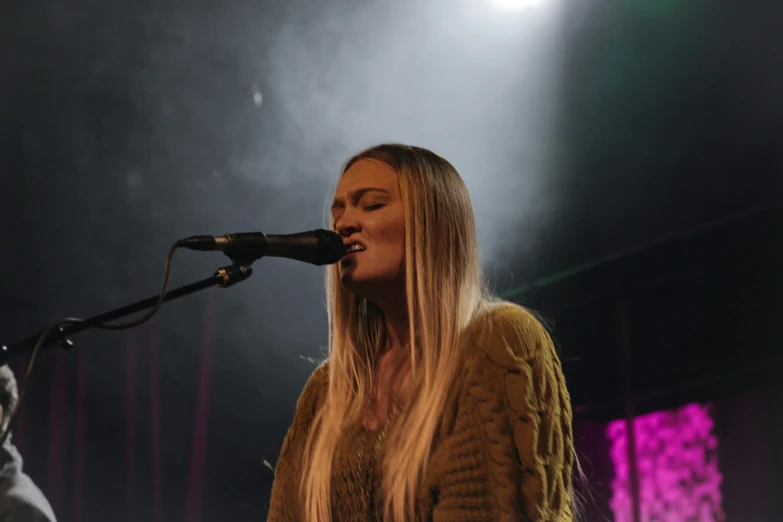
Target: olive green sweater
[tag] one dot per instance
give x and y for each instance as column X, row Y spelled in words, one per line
column 504, row 450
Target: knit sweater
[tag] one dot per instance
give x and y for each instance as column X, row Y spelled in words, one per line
column 504, row 449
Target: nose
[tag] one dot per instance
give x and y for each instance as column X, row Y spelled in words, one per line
column 347, row 224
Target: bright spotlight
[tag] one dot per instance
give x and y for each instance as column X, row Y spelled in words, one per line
column 514, row 4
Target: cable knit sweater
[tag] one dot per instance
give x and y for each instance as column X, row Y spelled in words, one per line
column 504, row 450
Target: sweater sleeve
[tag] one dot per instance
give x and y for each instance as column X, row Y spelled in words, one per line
column 509, row 456
column 285, row 504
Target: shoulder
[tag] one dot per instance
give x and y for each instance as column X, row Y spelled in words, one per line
column 310, row 401
column 314, row 390
column 21, row 512
column 519, row 408
column 319, row 378
column 24, row 502
column 507, row 335
column 316, row 385
column 511, row 362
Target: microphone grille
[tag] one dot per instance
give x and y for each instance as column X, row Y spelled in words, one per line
column 330, row 247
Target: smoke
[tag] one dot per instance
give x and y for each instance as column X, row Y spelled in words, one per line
column 167, row 122
column 436, row 76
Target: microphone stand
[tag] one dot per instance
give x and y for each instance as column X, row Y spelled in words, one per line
column 223, row 278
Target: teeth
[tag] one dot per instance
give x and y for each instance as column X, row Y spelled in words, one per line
column 355, row 248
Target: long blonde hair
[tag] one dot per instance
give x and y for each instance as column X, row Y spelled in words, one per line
column 444, row 289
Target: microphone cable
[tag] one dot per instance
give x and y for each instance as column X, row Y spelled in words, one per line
column 47, row 332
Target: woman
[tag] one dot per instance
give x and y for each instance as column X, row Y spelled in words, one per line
column 436, row 403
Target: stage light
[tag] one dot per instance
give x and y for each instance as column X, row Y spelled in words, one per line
column 514, row 5
column 677, row 466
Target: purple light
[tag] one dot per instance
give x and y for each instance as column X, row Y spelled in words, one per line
column 679, row 479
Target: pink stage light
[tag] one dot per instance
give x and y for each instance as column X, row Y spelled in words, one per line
column 679, row 478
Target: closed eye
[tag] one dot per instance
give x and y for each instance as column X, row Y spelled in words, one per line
column 373, row 207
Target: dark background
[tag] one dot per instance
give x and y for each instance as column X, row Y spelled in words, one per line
column 624, row 160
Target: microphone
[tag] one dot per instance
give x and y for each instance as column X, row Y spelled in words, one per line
column 319, row 247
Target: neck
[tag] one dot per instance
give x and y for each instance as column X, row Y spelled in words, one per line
column 399, row 334
column 391, row 366
column 394, row 306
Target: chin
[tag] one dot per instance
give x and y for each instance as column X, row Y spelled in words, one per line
column 353, row 284
column 370, row 286
column 356, row 284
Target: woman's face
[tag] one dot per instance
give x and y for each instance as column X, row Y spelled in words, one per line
column 368, row 213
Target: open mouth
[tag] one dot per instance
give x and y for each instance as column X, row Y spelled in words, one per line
column 354, row 248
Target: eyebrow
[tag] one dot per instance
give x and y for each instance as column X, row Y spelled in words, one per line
column 356, row 195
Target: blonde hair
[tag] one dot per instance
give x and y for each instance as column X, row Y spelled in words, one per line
column 444, row 290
